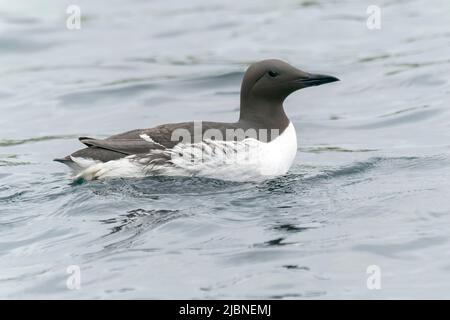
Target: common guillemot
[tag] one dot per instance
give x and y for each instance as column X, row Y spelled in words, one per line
column 262, row 143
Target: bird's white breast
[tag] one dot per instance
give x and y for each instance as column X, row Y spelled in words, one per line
column 278, row 155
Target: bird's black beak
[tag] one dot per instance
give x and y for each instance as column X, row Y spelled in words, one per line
column 310, row 80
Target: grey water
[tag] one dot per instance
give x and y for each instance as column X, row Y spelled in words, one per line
column 369, row 187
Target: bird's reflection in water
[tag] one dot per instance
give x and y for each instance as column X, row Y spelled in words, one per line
column 139, row 220
column 128, row 228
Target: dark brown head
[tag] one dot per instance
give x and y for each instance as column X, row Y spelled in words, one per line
column 275, row 79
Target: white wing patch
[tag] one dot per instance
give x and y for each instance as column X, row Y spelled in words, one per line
column 147, row 138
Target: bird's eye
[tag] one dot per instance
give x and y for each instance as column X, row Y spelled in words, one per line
column 273, row 74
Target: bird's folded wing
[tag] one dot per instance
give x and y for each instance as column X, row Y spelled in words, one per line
column 125, row 146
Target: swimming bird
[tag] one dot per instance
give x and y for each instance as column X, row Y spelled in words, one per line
column 262, row 143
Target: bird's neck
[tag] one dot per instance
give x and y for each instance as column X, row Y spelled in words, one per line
column 264, row 113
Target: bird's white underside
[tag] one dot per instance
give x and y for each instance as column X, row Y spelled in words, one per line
column 245, row 160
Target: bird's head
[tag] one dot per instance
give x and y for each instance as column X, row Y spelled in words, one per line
column 273, row 80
